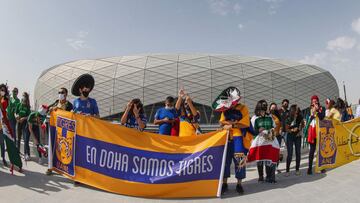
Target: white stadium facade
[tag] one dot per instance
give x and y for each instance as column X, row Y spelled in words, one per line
column 154, row 77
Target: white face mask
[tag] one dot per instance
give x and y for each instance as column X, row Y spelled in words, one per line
column 61, row 97
column 169, row 108
column 42, row 111
column 2, row 93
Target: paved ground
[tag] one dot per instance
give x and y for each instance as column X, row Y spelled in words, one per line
column 338, row 185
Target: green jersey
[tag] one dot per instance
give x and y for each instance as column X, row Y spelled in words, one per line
column 33, row 118
column 14, row 102
column 22, row 110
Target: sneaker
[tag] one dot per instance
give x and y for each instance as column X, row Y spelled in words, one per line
column 27, row 157
column 261, row 179
column 297, row 173
column 239, row 189
column 224, row 188
column 287, row 174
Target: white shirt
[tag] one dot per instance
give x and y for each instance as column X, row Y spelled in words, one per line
column 357, row 115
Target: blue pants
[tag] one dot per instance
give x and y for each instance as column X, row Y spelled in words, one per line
column 239, row 173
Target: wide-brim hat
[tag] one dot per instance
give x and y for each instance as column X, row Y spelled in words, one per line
column 86, row 80
column 228, row 98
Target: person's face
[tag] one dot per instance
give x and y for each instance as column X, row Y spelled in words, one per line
column 169, row 104
column 23, row 98
column 85, row 91
column 327, row 105
column 15, row 92
column 62, row 92
column 314, row 102
column 285, row 105
column 2, row 91
column 293, row 112
column 273, row 108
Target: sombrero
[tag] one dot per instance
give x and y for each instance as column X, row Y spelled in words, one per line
column 227, row 99
column 86, row 80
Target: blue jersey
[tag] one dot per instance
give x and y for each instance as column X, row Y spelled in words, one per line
column 132, row 122
column 88, row 107
column 171, row 114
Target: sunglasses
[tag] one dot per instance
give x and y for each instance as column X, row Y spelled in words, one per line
column 61, row 92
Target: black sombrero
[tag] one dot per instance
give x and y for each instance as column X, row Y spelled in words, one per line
column 227, row 99
column 86, row 80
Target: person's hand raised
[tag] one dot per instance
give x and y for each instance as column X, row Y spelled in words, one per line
column 129, row 104
column 136, row 111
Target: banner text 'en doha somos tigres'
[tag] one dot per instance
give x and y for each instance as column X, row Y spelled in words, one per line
column 125, row 161
column 338, row 143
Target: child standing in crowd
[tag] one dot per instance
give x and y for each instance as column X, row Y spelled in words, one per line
column 22, row 112
column 294, row 125
column 189, row 115
column 134, row 116
column 166, row 116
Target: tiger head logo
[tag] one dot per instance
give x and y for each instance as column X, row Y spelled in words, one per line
column 65, row 133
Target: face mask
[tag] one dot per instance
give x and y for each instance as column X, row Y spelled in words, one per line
column 169, row 108
column 86, row 94
column 61, row 97
column 2, row 93
column 42, row 111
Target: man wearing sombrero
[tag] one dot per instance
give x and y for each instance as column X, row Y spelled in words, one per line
column 235, row 118
column 82, row 87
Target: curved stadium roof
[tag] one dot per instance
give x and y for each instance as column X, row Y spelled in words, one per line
column 153, row 77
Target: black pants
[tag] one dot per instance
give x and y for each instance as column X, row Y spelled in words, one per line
column 290, row 142
column 311, row 154
column 269, row 169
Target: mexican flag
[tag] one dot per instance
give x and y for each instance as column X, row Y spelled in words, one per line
column 263, row 149
column 13, row 152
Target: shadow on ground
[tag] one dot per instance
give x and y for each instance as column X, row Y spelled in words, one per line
column 35, row 181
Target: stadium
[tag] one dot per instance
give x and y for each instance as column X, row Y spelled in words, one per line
column 154, row 77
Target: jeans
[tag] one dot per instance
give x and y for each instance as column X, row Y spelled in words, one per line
column 290, row 142
column 2, row 144
column 22, row 129
column 311, row 155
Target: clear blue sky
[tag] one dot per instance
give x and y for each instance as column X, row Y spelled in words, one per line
column 36, row 35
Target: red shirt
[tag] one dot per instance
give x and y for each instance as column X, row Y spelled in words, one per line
column 4, row 105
